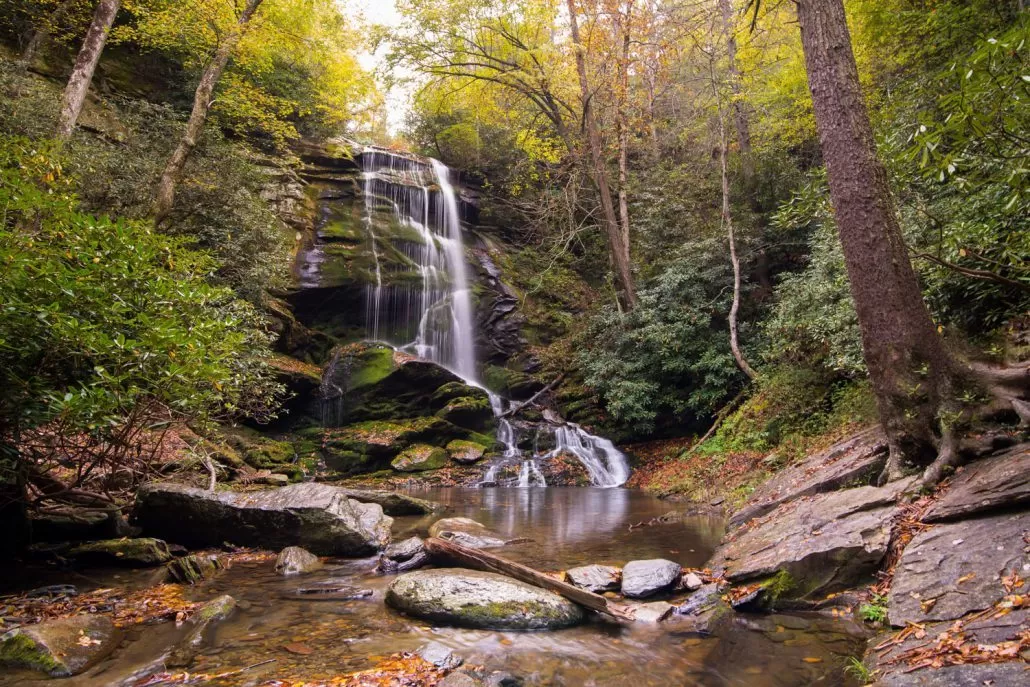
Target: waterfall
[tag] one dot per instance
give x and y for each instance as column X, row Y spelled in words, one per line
column 606, row 465
column 433, row 318
column 530, row 475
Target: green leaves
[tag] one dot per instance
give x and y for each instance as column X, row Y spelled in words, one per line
column 100, row 318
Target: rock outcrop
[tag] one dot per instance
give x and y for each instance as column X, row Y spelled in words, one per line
column 470, row 598
column 999, row 482
column 133, row 553
column 319, row 517
column 293, row 560
column 814, row 544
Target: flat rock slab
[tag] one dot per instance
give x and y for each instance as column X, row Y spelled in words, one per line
column 641, row 579
column 825, row 543
column 1015, row 674
column 595, row 578
column 62, row 647
column 953, row 569
column 999, row 482
column 319, row 517
column 470, row 598
column 133, row 553
column 987, row 631
column 394, row 503
column 853, row 461
column 652, row 613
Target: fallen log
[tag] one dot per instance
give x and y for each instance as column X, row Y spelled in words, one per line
column 443, row 550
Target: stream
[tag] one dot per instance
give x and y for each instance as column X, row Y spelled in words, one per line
column 567, row 527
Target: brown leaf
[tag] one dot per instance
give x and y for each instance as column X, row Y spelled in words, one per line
column 298, row 648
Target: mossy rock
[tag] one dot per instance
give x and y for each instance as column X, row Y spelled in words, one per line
column 511, row 383
column 134, row 553
column 61, row 647
column 465, row 452
column 419, row 458
column 263, row 453
column 468, row 411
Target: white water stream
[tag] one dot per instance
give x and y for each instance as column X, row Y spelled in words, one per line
column 434, row 320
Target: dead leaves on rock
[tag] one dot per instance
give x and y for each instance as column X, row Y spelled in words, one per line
column 164, row 602
column 956, row 645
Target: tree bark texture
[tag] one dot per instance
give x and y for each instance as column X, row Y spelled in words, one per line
column 85, row 64
column 164, row 196
column 908, row 366
column 622, row 117
column 619, row 252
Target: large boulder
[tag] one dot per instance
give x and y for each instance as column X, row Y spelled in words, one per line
column 395, row 503
column 470, row 598
column 466, row 532
column 814, row 545
column 319, row 517
column 851, row 462
column 954, row 569
column 62, row 647
column 991, row 484
column 465, row 452
column 646, row 578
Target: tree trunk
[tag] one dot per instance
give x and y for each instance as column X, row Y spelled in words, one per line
column 908, row 366
column 622, row 122
column 164, row 196
column 85, row 64
column 740, row 115
column 619, row 252
column 727, row 219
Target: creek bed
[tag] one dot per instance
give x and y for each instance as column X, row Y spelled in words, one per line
column 309, row 640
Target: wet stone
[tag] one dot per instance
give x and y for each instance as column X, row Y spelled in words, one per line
column 440, row 656
column 466, row 532
column 654, row 612
column 595, row 578
column 293, row 560
column 62, row 647
column 470, row 598
column 646, row 578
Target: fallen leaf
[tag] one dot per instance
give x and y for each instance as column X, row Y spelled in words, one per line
column 812, row 659
column 298, row 648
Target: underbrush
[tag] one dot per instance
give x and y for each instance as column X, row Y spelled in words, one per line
column 790, row 414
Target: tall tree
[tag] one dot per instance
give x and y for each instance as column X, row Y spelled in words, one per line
column 910, row 370
column 85, row 64
column 623, row 25
column 599, row 173
column 164, row 196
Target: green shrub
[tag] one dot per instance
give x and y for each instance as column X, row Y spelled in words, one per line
column 107, row 328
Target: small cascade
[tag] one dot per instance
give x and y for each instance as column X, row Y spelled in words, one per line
column 330, row 394
column 530, row 475
column 606, row 465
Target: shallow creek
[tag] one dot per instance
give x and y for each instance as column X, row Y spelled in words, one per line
column 568, row 527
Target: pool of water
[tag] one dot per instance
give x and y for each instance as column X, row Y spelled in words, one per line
column 566, row 527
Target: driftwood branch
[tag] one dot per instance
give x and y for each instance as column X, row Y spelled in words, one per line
column 532, row 399
column 440, row 549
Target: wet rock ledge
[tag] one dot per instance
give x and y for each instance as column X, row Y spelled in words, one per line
column 947, row 572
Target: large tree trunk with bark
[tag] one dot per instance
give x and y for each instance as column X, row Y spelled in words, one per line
column 85, row 64
column 616, row 245
column 622, row 124
column 911, row 373
column 164, row 196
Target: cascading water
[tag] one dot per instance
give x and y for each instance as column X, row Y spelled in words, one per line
column 433, row 319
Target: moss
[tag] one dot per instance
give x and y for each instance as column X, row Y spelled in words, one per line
column 216, row 609
column 420, row 457
column 465, row 451
column 142, row 551
column 778, row 585
column 18, row 649
column 370, row 366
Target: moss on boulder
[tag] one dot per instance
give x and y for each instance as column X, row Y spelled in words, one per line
column 473, row 412
column 465, row 452
column 62, row 647
column 420, row 457
column 134, row 553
